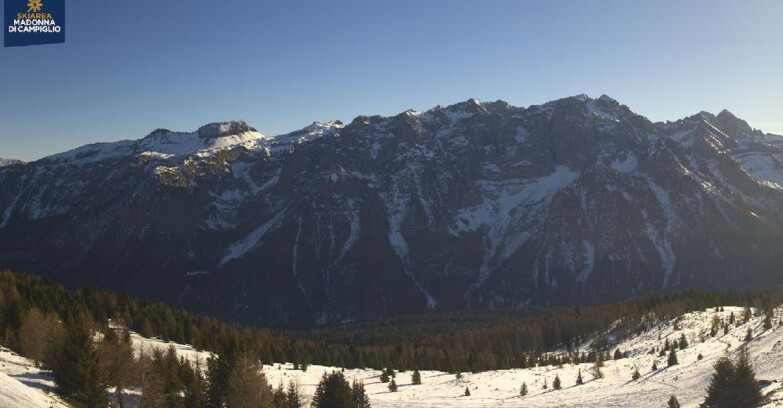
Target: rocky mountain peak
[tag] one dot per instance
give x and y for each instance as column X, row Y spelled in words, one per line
column 732, row 125
column 9, row 162
column 221, row 129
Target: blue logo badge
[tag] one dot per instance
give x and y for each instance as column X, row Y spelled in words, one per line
column 32, row 22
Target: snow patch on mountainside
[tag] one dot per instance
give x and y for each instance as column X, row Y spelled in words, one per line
column 239, row 248
column 627, row 165
column 503, row 203
column 662, row 239
column 766, row 168
column 397, row 203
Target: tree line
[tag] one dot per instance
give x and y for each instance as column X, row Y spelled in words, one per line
column 54, row 326
column 435, row 342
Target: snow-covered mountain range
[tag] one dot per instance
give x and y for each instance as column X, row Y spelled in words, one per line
column 471, row 206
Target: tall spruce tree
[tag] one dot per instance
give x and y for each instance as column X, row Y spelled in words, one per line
column 293, row 396
column 77, row 371
column 279, row 397
column 193, row 384
column 720, row 385
column 333, row 391
column 672, row 360
column 247, row 386
column 116, row 352
column 683, row 342
column 745, row 390
column 360, row 398
column 733, row 385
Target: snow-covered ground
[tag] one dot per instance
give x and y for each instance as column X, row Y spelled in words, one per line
column 147, row 346
column 688, row 380
column 22, row 385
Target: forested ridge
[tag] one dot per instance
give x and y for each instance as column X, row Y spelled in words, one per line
column 459, row 342
column 54, row 326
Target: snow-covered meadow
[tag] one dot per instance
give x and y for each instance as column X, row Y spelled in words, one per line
column 23, row 385
column 688, row 380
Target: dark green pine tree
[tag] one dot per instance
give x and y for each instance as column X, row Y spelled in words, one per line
column 393, row 386
column 360, row 398
column 579, row 380
column 333, row 391
column 279, row 397
column 672, row 360
column 733, row 385
column 523, row 389
column 173, row 386
column 416, row 377
column 194, row 385
column 556, row 383
column 467, row 392
column 746, row 391
column 720, row 385
column 218, row 369
column 77, row 370
column 673, row 403
column 293, row 397
column 384, row 377
column 635, row 376
column 683, row 342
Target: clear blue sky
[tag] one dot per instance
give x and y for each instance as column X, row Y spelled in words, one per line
column 128, row 67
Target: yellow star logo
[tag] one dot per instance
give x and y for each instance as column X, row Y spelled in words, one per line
column 35, row 5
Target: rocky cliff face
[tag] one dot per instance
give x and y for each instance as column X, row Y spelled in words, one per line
column 471, row 206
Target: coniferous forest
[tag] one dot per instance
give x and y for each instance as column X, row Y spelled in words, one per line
column 55, row 326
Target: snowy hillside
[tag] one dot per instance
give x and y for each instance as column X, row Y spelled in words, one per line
column 22, row 385
column 688, row 380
